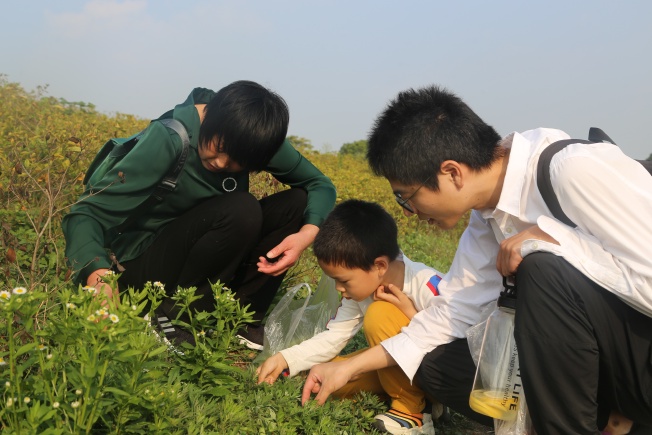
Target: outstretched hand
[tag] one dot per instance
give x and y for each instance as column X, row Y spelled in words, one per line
column 285, row 254
column 324, row 379
column 271, row 369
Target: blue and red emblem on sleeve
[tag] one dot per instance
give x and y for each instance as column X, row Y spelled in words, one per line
column 433, row 283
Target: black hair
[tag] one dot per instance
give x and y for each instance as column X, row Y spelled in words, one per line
column 422, row 128
column 355, row 233
column 249, row 120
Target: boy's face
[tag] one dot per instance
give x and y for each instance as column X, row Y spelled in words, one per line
column 356, row 284
column 443, row 208
column 213, row 159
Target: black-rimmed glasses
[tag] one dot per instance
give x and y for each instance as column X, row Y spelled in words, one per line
column 403, row 202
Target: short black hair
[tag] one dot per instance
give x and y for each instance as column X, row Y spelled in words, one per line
column 355, row 233
column 422, row 128
column 250, row 120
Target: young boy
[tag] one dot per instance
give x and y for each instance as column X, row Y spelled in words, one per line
column 381, row 290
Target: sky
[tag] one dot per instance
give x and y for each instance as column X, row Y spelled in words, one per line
column 519, row 64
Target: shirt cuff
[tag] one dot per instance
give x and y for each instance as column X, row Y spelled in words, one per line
column 405, row 352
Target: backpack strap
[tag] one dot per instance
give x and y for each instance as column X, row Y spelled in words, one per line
column 544, row 184
column 168, row 183
column 543, row 179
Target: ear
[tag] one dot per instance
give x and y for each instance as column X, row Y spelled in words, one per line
column 381, row 264
column 453, row 171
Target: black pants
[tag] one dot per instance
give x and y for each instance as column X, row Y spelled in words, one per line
column 221, row 239
column 582, row 352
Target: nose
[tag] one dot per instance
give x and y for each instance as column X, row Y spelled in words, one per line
column 407, row 212
column 222, row 161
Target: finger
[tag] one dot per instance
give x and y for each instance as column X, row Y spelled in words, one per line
column 322, row 396
column 393, row 289
column 307, row 389
column 277, row 250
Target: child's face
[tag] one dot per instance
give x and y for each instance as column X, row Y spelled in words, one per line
column 356, row 284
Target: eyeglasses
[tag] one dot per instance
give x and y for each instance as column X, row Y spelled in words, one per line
column 403, row 202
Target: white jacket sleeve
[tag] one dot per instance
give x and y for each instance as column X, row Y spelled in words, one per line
column 327, row 344
column 471, row 284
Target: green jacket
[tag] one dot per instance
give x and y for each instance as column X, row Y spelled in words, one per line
column 87, row 227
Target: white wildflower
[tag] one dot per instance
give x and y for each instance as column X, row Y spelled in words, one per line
column 19, row 291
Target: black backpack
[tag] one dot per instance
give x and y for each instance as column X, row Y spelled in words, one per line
column 596, row 135
column 115, row 149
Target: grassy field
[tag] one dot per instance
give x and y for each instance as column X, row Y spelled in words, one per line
column 68, row 364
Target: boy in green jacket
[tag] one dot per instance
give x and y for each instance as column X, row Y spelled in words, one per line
column 210, row 227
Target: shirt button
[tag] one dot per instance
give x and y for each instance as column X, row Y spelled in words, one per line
column 508, row 230
column 535, row 245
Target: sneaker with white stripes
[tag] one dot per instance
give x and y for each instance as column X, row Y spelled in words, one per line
column 173, row 333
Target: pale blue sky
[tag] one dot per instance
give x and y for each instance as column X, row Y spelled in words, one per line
column 568, row 64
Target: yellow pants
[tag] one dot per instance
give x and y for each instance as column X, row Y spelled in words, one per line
column 384, row 320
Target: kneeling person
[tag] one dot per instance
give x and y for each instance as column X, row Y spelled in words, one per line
column 382, row 290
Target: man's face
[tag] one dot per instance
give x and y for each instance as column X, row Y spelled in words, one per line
column 443, row 208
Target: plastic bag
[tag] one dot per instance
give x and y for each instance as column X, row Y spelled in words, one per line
column 522, row 424
column 296, row 318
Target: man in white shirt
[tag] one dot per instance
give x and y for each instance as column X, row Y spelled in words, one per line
column 584, row 307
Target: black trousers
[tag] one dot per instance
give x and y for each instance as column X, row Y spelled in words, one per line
column 582, row 352
column 221, row 239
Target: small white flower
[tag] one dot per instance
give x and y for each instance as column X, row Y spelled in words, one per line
column 42, row 347
column 27, row 400
column 159, row 284
column 4, row 294
column 71, row 306
column 109, row 273
column 19, row 291
column 7, row 384
column 114, row 318
column 91, row 318
column 2, row 361
column 9, row 402
column 78, row 392
column 134, row 308
column 101, row 312
column 55, row 405
column 89, row 289
column 201, row 334
column 49, row 356
column 75, row 404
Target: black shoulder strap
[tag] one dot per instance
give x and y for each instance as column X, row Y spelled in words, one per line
column 543, row 170
column 167, row 183
column 543, row 178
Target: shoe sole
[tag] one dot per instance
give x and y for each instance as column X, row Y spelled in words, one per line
column 250, row 344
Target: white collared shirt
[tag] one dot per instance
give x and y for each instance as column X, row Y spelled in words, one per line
column 605, row 193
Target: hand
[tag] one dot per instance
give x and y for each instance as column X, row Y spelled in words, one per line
column 270, row 370
column 288, row 251
column 509, row 254
column 95, row 280
column 324, row 379
column 392, row 294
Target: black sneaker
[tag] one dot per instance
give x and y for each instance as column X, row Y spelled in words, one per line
column 174, row 335
column 252, row 336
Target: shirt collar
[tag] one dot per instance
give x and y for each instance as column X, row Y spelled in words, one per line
column 511, row 193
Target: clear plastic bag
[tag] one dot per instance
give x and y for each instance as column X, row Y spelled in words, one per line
column 297, row 318
column 521, row 424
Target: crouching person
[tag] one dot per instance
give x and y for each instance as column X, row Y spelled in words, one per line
column 381, row 291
